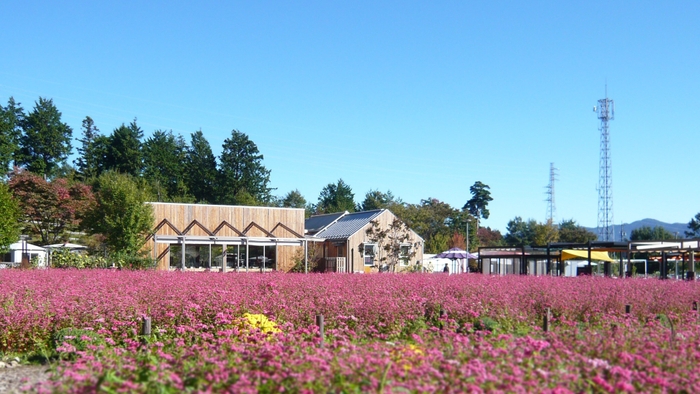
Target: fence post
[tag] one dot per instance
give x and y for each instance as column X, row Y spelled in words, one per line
column 146, row 326
column 319, row 323
column 545, row 321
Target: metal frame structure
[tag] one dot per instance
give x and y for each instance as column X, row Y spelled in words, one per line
column 549, row 255
column 606, row 112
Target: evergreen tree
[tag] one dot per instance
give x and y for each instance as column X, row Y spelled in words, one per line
column 569, row 231
column 200, row 169
column 336, row 197
column 11, row 118
column 241, row 172
column 374, row 199
column 477, row 205
column 92, row 151
column 163, row 158
column 124, row 153
column 293, row 199
column 46, row 141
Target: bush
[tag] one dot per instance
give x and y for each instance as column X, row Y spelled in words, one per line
column 124, row 260
column 64, row 258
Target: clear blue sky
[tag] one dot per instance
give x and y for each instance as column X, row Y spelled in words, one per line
column 420, row 98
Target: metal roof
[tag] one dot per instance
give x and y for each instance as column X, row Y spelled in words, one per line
column 349, row 224
column 317, row 223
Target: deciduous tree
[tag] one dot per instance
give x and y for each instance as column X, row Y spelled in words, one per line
column 121, row 214
column 646, row 233
column 395, row 241
column 50, row 209
column 9, row 218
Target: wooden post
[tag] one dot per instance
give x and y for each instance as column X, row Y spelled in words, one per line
column 545, row 321
column 146, row 326
column 319, row 323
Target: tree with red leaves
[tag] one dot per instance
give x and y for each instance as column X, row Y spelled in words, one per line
column 50, row 209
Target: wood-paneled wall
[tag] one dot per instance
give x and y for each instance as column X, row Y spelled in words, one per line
column 352, row 247
column 202, row 219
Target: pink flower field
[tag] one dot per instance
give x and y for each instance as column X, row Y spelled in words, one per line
column 239, row 333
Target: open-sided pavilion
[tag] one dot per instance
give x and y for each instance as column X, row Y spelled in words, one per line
column 549, row 259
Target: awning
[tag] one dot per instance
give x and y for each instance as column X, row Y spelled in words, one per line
column 583, row 254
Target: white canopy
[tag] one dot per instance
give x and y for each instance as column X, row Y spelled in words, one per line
column 66, row 245
column 28, row 247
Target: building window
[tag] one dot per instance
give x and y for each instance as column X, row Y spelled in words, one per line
column 369, row 251
column 405, row 251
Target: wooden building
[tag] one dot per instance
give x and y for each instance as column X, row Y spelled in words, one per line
column 220, row 237
column 348, row 248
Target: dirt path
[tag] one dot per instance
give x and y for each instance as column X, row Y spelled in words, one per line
column 13, row 379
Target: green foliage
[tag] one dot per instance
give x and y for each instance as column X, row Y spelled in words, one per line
column 124, row 149
column 374, row 199
column 11, row 118
column 694, row 227
column 293, row 199
column 200, row 169
column 121, row 213
column 46, row 141
column 241, row 171
column 131, row 261
column 69, row 341
column 569, row 231
column 486, row 323
column 64, row 258
column 488, row 237
column 9, row 219
column 477, row 205
column 336, row 197
column 93, row 151
column 50, row 209
column 646, row 233
column 437, row 243
column 163, row 158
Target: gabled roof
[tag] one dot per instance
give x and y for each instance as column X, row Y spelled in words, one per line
column 348, row 224
column 317, row 223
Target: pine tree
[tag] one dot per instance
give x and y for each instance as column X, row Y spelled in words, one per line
column 46, row 141
column 241, row 172
column 200, row 169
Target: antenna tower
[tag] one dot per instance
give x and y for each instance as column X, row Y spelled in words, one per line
column 606, row 228
column 551, row 208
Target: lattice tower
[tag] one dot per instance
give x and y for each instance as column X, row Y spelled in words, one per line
column 606, row 112
column 551, row 206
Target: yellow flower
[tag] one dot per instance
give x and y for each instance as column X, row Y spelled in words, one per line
column 261, row 322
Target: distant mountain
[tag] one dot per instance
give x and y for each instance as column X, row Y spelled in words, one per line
column 673, row 228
